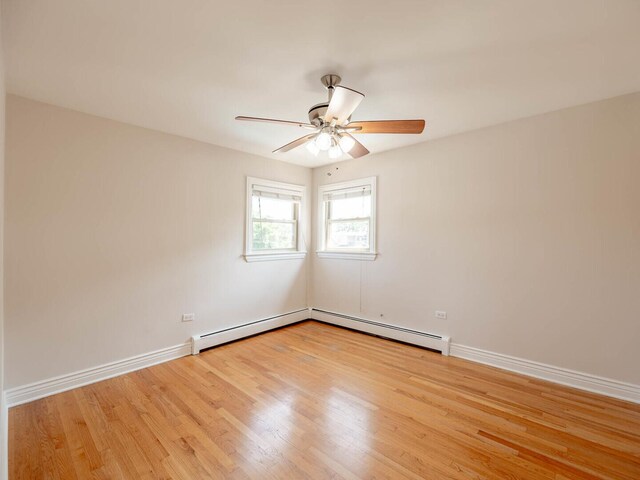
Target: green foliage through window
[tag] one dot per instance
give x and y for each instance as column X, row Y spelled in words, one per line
column 269, row 235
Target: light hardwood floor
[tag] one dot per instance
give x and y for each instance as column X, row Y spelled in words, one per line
column 316, row 401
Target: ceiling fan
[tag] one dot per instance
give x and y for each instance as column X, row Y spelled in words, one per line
column 332, row 127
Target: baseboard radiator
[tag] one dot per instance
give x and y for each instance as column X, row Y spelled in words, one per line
column 584, row 381
column 414, row 337
column 208, row 340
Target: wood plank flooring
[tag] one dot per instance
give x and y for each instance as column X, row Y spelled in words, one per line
column 316, row 401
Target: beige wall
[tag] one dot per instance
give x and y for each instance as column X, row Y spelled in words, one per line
column 113, row 232
column 526, row 233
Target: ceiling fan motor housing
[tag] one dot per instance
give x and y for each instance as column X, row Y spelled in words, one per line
column 316, row 113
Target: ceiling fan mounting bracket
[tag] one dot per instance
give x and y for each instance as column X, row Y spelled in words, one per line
column 330, row 80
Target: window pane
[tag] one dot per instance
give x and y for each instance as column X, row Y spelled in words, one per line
column 356, row 207
column 274, row 236
column 272, row 208
column 354, row 234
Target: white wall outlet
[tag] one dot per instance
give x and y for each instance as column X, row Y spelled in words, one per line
column 188, row 317
column 440, row 314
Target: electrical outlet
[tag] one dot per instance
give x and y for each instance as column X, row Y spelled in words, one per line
column 188, row 317
column 440, row 314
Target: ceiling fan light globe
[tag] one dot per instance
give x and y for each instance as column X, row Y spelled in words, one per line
column 346, row 143
column 323, row 141
column 335, row 152
column 313, row 148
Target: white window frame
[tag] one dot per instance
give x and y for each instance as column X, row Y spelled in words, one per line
column 284, row 188
column 355, row 254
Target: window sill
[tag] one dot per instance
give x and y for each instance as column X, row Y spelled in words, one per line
column 348, row 255
column 262, row 257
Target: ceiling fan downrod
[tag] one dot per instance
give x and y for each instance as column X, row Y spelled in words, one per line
column 330, row 81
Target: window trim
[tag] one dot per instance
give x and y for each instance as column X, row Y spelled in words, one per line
column 262, row 255
column 342, row 253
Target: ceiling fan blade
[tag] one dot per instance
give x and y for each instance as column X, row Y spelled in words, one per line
column 280, row 122
column 343, row 103
column 358, row 150
column 295, row 143
column 388, row 126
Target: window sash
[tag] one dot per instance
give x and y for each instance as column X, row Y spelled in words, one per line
column 328, row 205
column 294, row 240
column 327, row 232
column 295, row 206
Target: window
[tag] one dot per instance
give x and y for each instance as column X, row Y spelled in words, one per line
column 273, row 220
column 346, row 220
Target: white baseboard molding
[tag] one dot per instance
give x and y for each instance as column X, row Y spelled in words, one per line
column 584, row 381
column 208, row 340
column 563, row 376
column 34, row 391
column 44, row 388
column 414, row 337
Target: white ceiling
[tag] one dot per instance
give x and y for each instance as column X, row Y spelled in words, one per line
column 189, row 67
